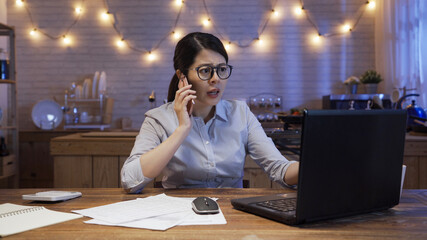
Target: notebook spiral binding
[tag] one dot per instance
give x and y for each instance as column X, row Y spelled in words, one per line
column 22, row 211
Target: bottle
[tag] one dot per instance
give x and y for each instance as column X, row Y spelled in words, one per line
column 4, row 65
column 3, row 149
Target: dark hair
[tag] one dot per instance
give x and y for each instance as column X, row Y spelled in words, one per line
column 186, row 51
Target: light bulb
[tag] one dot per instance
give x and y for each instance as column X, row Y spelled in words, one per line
column 176, row 35
column 275, row 13
column 179, row 2
column 66, row 40
column 346, row 28
column 120, row 43
column 317, row 38
column 151, row 56
column 298, row 11
column 105, row 16
column 260, row 42
column 206, row 22
column 33, row 32
column 78, row 10
column 371, row 4
column 19, row 3
column 227, row 46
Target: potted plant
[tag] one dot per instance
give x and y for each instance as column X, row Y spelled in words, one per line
column 370, row 80
column 352, row 83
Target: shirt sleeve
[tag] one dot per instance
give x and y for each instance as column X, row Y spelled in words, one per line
column 132, row 176
column 264, row 152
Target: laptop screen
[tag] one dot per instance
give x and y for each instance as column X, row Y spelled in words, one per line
column 350, row 162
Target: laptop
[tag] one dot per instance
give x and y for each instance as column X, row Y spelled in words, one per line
column 350, row 163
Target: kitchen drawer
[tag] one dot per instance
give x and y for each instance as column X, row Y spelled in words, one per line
column 8, row 166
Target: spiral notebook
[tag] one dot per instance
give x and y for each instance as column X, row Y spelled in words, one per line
column 17, row 218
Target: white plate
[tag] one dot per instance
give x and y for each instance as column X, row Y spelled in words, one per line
column 95, row 85
column 47, row 114
column 102, row 88
column 79, row 92
column 87, row 88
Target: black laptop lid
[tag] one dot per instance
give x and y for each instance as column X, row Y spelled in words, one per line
column 351, row 162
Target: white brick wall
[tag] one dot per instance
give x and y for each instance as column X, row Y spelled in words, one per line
column 290, row 66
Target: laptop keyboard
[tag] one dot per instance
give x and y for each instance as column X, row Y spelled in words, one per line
column 283, row 205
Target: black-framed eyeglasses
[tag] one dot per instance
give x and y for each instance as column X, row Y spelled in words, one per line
column 206, row 72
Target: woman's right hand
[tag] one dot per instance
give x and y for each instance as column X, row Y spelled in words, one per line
column 183, row 106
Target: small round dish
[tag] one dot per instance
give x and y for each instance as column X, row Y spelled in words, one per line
column 47, row 114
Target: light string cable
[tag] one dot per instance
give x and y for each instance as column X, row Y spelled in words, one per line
column 307, row 16
column 266, row 21
column 238, row 42
column 30, row 16
column 117, row 30
column 361, row 11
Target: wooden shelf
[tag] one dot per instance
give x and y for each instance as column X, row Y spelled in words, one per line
column 88, row 126
column 7, row 81
column 9, row 170
column 8, row 128
column 84, row 100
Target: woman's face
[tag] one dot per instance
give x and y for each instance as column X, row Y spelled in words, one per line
column 208, row 92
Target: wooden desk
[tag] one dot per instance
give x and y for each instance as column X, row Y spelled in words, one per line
column 408, row 220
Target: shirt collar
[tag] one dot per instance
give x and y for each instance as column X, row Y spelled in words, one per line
column 220, row 111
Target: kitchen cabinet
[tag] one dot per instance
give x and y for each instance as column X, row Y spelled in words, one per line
column 415, row 159
column 95, row 159
column 91, row 159
column 36, row 163
column 9, row 177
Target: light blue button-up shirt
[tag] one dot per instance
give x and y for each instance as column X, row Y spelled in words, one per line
column 212, row 155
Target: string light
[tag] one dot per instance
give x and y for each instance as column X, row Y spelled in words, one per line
column 33, row 32
column 275, row 13
column 371, row 4
column 179, row 3
column 317, row 38
column 105, row 16
column 260, row 42
column 66, row 40
column 19, row 3
column 298, row 11
column 120, row 43
column 227, row 46
column 151, row 56
column 206, row 22
column 78, row 10
column 176, row 35
column 346, row 28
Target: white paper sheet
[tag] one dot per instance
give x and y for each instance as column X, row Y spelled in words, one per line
column 204, row 219
column 159, row 212
column 139, row 208
column 162, row 223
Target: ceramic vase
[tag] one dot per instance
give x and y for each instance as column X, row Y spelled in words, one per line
column 371, row 88
column 352, row 88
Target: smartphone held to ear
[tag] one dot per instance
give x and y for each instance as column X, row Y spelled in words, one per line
column 185, row 82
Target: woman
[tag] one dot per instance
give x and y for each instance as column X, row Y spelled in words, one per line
column 196, row 139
